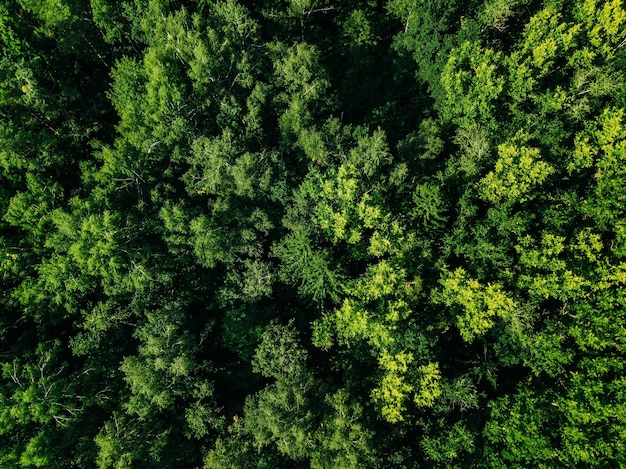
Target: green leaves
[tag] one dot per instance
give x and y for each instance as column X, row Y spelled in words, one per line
column 281, row 413
column 472, row 83
column 364, row 234
column 480, row 304
column 429, row 205
column 516, row 173
column 604, row 22
column 307, row 267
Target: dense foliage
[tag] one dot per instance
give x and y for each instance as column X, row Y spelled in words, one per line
column 303, row 233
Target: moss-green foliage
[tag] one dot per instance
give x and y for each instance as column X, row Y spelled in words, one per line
column 303, row 233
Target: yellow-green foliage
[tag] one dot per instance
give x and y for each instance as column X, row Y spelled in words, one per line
column 428, row 385
column 472, row 83
column 478, row 304
column 393, row 389
column 604, row 22
column 516, row 174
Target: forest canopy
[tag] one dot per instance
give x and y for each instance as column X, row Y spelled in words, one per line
column 304, row 233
